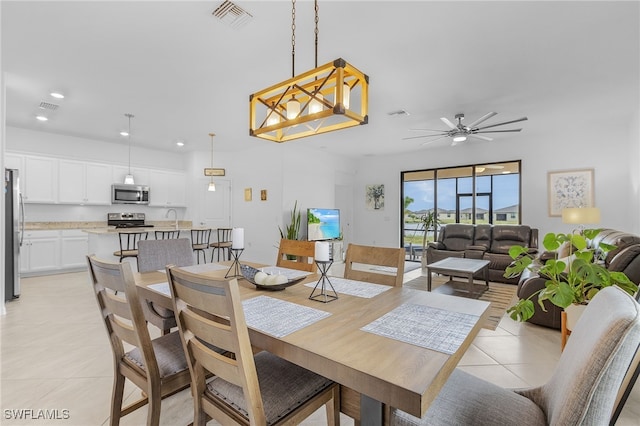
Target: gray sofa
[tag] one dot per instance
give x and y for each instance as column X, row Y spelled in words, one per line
column 624, row 258
column 489, row 242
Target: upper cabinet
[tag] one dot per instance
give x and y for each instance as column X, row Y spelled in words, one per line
column 40, row 179
column 167, row 189
column 84, row 183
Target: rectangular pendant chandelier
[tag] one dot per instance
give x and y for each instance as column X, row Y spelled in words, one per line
column 330, row 97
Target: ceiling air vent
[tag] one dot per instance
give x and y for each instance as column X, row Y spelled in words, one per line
column 49, row 106
column 232, row 15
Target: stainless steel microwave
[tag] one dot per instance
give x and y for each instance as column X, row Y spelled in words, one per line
column 129, row 194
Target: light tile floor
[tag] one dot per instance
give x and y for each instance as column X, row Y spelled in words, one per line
column 55, row 356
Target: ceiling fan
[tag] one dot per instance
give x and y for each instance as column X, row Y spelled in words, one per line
column 460, row 133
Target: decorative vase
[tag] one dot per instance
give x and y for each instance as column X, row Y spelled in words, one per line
column 574, row 311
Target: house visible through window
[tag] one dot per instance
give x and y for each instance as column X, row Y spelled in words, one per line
column 478, row 193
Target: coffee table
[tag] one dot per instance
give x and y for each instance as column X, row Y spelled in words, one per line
column 459, row 266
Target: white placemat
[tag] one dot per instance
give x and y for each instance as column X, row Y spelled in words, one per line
column 354, row 288
column 161, row 288
column 278, row 317
column 204, row 267
column 431, row 328
column 291, row 274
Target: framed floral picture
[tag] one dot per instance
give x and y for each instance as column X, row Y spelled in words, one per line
column 375, row 197
column 570, row 188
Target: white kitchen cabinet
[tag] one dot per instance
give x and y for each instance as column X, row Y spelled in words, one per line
column 40, row 179
column 140, row 175
column 40, row 251
column 84, row 183
column 167, row 189
column 74, row 249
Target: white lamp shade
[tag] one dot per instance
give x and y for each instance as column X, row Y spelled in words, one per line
column 316, row 105
column 293, row 108
column 581, row 215
column 211, row 187
column 346, row 95
column 237, row 238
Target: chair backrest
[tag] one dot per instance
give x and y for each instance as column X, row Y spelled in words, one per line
column 295, row 254
column 163, row 235
column 121, row 311
column 380, row 265
column 210, row 319
column 224, row 235
column 130, row 240
column 591, row 373
column 155, row 255
column 200, row 236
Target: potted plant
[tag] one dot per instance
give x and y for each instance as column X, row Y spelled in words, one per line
column 571, row 281
column 430, row 221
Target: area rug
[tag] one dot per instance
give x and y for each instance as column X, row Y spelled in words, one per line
column 500, row 295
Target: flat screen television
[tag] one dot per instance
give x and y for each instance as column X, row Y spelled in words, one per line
column 323, row 224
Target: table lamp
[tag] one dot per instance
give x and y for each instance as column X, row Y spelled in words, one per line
column 581, row 216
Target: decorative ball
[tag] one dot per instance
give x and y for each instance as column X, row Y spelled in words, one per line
column 260, row 277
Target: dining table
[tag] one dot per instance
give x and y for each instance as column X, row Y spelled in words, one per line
column 395, row 346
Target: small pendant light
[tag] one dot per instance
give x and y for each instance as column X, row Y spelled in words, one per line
column 128, row 179
column 212, row 185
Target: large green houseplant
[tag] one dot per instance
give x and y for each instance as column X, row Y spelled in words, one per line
column 574, row 280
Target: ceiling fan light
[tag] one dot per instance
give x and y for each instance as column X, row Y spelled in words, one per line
column 459, row 137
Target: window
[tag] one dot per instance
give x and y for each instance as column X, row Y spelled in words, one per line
column 477, row 193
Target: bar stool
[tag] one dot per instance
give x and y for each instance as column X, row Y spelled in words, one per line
column 200, row 242
column 165, row 235
column 129, row 244
column 223, row 244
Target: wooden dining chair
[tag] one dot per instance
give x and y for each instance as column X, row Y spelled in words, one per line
column 586, row 387
column 260, row 389
column 155, row 255
column 129, row 244
column 222, row 244
column 158, row 367
column 295, row 254
column 164, row 235
column 200, row 243
column 380, row 265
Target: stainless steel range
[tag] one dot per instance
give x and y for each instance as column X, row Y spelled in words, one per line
column 127, row 220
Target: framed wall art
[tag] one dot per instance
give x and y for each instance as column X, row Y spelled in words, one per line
column 570, row 188
column 375, row 197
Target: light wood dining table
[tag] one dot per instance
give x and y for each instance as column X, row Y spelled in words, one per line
column 382, row 369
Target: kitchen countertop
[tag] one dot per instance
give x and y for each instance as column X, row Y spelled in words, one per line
column 101, row 226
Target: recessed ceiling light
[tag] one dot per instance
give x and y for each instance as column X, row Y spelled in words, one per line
column 124, row 133
column 41, row 118
column 57, row 95
column 180, row 143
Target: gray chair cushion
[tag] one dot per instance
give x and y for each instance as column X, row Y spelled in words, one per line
column 284, row 387
column 154, row 255
column 169, row 355
column 468, row 400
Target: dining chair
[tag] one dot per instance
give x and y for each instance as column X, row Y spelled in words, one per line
column 129, row 244
column 297, row 254
column 158, row 367
column 222, row 244
column 380, row 265
column 200, row 243
column 260, row 389
column 587, row 386
column 155, row 255
column 163, row 235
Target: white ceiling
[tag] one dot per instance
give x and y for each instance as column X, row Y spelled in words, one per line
column 183, row 73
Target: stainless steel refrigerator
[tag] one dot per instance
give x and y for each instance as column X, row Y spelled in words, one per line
column 14, row 230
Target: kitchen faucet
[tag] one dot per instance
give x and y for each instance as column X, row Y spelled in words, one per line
column 175, row 214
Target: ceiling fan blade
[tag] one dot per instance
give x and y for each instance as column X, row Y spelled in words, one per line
column 484, row 138
column 433, row 140
column 448, row 122
column 481, row 119
column 498, row 131
column 503, row 123
column 442, row 132
column 425, row 136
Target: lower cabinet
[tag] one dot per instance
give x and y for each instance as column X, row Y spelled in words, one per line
column 44, row 252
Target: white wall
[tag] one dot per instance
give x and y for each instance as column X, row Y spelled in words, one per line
column 609, row 148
